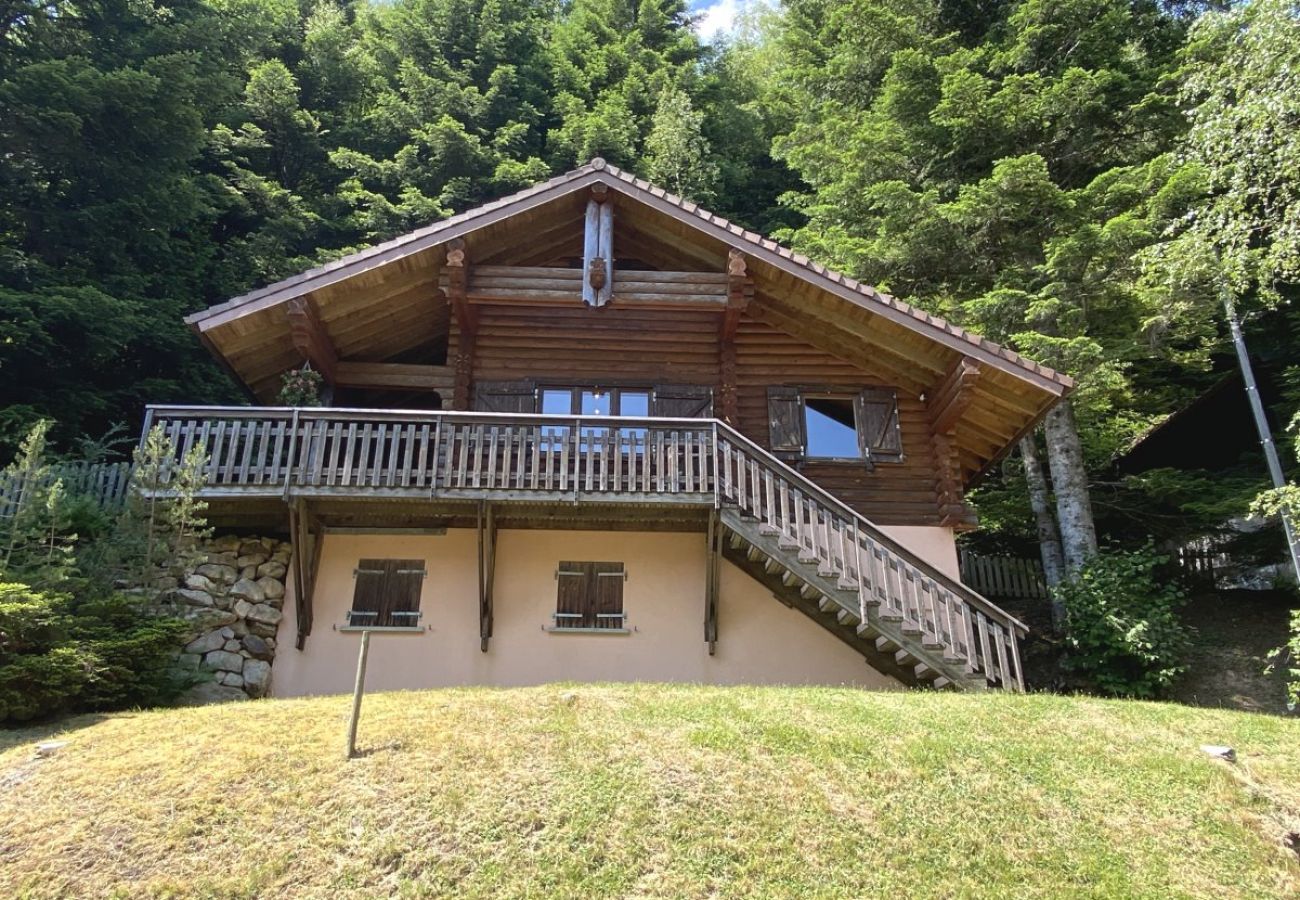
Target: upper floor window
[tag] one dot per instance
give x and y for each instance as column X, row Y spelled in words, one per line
column 830, row 426
column 596, row 401
column 834, row 424
column 684, row 401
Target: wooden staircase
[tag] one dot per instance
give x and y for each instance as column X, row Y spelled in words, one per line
column 817, row 555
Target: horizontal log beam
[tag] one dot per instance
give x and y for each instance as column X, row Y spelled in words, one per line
column 543, row 286
column 950, row 399
column 310, row 338
column 395, row 376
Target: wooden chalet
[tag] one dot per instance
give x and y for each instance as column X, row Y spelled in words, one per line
column 593, row 431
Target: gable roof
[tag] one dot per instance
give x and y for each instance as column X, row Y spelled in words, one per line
column 598, row 171
column 383, row 304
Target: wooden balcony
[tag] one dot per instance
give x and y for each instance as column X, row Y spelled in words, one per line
column 902, row 612
column 363, row 453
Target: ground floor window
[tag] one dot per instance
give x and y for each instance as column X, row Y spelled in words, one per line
column 590, row 596
column 387, row 593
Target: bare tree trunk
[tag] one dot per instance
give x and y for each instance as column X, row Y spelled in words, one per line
column 1070, row 482
column 1049, row 536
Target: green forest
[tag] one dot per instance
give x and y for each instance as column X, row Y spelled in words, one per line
column 1080, row 179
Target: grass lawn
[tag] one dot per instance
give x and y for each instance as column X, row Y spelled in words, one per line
column 655, row 791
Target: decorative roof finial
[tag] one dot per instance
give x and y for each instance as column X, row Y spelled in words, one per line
column 598, row 163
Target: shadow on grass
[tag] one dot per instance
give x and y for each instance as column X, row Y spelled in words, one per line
column 61, row 727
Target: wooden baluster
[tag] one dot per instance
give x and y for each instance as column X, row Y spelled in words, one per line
column 422, row 456
column 190, row 432
column 408, row 460
column 377, row 455
column 492, row 435
column 1015, row 680
column 214, row 455
column 534, row 452
column 333, row 438
column 394, row 453
column 480, row 448
column 564, row 435
column 233, row 445
column 262, row 435
column 349, row 446
column 173, row 432
column 982, row 631
column 999, row 640
column 620, row 439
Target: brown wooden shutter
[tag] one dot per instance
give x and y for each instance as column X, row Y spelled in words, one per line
column 607, row 591
column 505, row 397
column 368, row 594
column 878, row 429
column 785, row 427
column 384, row 587
column 682, row 401
column 402, row 595
column 572, row 606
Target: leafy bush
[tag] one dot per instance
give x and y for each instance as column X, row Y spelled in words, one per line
column 59, row 654
column 1123, row 632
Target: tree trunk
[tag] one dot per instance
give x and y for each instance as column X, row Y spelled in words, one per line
column 1070, row 482
column 1049, row 537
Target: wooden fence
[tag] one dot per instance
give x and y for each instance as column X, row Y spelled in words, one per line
column 1004, row 576
column 104, row 483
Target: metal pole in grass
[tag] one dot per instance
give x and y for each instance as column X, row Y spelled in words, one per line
column 356, row 693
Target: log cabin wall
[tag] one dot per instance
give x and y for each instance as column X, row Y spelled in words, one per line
column 613, row 345
column 597, row 346
column 901, row 493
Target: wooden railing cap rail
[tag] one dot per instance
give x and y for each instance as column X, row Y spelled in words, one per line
column 309, row 413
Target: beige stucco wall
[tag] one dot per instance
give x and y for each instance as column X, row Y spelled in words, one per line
column 761, row 641
column 935, row 545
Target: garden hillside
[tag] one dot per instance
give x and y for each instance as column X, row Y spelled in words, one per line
column 650, row 791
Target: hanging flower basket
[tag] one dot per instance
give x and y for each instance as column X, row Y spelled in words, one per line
column 300, row 387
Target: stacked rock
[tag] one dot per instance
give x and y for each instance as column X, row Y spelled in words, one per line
column 234, row 598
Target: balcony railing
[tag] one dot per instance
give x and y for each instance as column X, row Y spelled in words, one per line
column 498, row 456
column 361, row 452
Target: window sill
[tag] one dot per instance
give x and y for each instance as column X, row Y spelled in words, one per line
column 555, row 630
column 393, row 629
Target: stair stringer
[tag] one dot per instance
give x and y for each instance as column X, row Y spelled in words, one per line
column 843, row 618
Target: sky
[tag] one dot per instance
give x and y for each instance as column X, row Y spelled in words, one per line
column 718, row 16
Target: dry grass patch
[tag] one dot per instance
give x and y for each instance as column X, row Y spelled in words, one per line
column 655, row 791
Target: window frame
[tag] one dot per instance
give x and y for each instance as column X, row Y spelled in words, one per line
column 864, row 452
column 615, row 392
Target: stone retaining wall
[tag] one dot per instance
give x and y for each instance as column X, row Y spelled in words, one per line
column 234, row 597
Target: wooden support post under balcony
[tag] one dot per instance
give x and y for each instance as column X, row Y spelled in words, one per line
column 306, row 535
column 310, row 338
column 740, row 291
column 712, row 578
column 466, row 323
column 487, row 561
